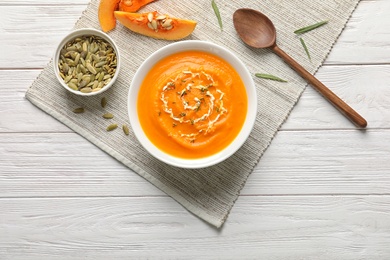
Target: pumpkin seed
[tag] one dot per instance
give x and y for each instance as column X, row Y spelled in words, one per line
column 108, row 116
column 71, row 48
column 95, row 84
column 111, row 127
column 83, row 69
column 108, row 76
column 86, row 90
column 78, row 110
column 154, row 24
column 99, row 64
column 125, row 129
column 150, row 17
column 77, row 58
column 83, row 83
column 167, row 23
column 73, row 86
column 85, row 46
column 83, row 54
column 65, row 68
column 103, row 102
column 67, row 78
column 91, row 68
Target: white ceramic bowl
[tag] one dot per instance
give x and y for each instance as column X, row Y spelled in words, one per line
column 185, row 46
column 85, row 32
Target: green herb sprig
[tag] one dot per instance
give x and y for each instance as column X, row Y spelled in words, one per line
column 217, row 13
column 305, row 47
column 269, row 76
column 310, row 27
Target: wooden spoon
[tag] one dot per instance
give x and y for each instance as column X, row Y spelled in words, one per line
column 257, row 31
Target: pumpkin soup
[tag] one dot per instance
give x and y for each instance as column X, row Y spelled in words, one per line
column 192, row 104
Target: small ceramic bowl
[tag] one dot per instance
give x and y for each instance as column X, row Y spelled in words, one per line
column 189, row 45
column 77, row 34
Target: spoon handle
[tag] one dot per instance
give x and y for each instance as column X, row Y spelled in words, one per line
column 320, row 87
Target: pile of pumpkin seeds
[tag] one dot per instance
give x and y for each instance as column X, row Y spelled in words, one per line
column 87, row 63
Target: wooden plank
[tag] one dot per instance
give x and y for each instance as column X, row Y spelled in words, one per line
column 297, row 162
column 30, row 33
column 366, row 38
column 364, row 88
column 308, row 227
column 366, row 33
column 17, row 114
column 63, row 165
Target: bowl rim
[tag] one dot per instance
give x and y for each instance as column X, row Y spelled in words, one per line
column 80, row 32
column 181, row 46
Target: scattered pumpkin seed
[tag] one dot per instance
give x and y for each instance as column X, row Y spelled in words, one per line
column 108, row 116
column 112, row 127
column 126, row 129
column 103, row 102
column 78, row 110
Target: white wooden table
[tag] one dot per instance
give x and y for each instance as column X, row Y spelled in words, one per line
column 321, row 191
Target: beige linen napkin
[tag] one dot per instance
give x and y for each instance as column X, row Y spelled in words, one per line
column 208, row 193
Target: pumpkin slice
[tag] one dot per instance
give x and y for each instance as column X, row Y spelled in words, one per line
column 156, row 25
column 106, row 14
column 132, row 5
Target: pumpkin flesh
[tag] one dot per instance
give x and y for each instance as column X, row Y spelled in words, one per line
column 156, row 25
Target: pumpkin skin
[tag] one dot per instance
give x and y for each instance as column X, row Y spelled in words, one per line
column 132, row 5
column 169, row 28
column 106, row 14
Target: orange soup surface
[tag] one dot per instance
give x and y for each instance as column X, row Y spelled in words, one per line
column 192, row 104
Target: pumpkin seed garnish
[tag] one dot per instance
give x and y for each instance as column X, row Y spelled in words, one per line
column 112, row 127
column 78, row 110
column 108, row 116
column 125, row 129
column 268, row 76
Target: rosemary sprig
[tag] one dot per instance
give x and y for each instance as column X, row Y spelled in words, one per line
column 216, row 11
column 305, row 47
column 310, row 27
column 268, row 76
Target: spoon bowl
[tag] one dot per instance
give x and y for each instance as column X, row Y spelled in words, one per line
column 254, row 28
column 258, row 31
